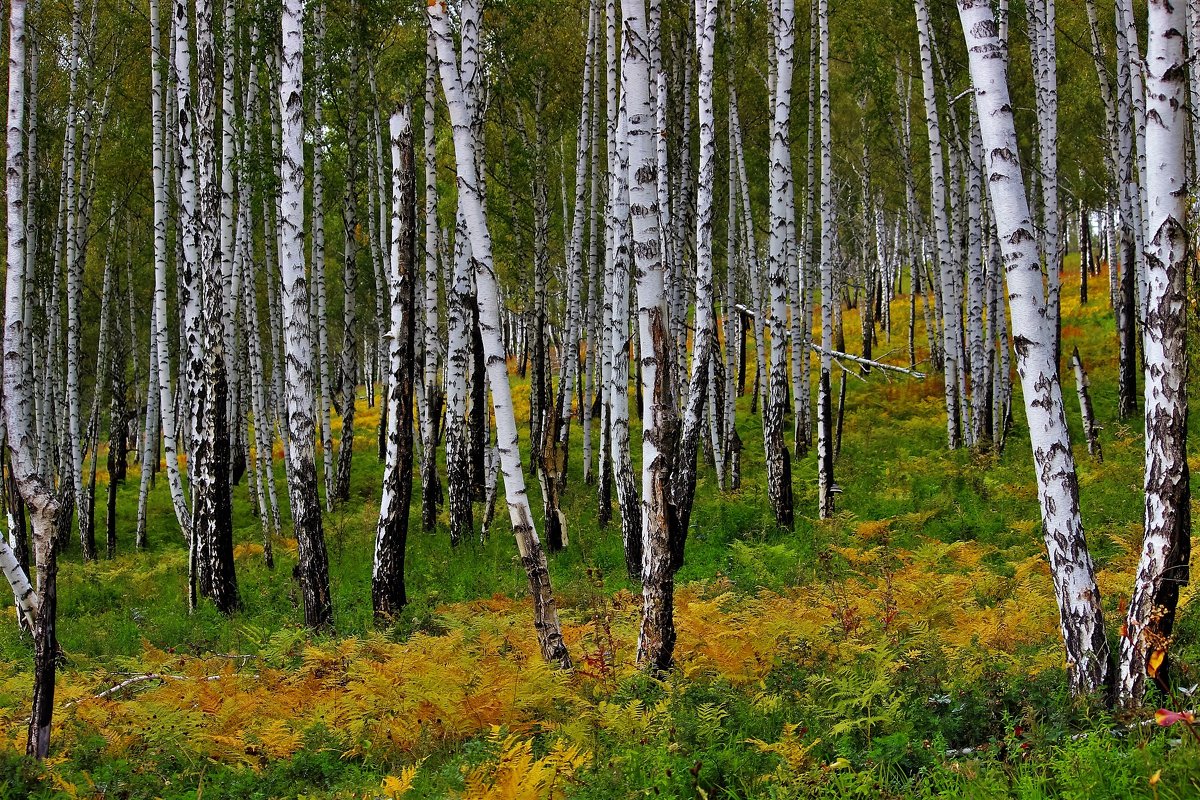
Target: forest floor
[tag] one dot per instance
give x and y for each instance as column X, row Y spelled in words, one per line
column 907, row 648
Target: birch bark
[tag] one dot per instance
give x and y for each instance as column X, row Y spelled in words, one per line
column 1080, row 614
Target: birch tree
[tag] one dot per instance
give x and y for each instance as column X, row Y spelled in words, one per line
column 313, row 566
column 779, row 468
column 945, row 258
column 387, row 575
column 208, row 465
column 36, row 491
column 431, row 489
column 1080, row 615
column 825, row 483
column 533, row 557
column 1166, row 545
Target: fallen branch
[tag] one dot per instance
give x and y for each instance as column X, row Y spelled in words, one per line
column 138, row 679
column 868, row 362
column 839, row 355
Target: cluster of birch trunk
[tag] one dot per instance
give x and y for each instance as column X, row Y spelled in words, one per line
column 217, row 342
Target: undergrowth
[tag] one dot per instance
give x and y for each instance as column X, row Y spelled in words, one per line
column 906, row 648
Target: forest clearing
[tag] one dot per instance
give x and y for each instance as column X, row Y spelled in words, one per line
column 599, row 399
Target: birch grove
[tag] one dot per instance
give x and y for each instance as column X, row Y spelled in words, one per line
column 398, row 257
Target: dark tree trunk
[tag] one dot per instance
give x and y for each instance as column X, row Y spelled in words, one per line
column 1127, row 331
column 45, row 639
column 349, row 378
column 1086, row 264
column 388, row 594
column 479, row 415
column 744, row 331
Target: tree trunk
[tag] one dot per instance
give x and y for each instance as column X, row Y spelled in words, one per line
column 660, row 423
column 1166, row 545
column 208, row 465
column 36, row 492
column 387, row 576
column 533, row 558
column 431, row 488
column 313, row 566
column 826, row 488
column 945, row 259
column 779, row 469
column 1078, row 596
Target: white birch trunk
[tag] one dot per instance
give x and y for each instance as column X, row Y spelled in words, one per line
column 36, row 491
column 945, row 257
column 1080, row 613
column 1166, row 544
column 313, row 565
column 779, row 474
column 660, row 422
column 532, row 556
column 826, row 488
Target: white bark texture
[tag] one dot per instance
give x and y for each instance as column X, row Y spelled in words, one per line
column 1166, row 545
column 660, row 423
column 533, row 557
column 779, row 473
column 945, row 258
column 299, row 394
column 1080, row 614
column 36, row 491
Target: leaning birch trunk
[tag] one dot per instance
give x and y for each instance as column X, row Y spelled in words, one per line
column 779, row 468
column 313, row 566
column 387, row 575
column 533, row 558
column 1080, row 613
column 826, row 488
column 1166, row 546
column 162, row 338
column 36, row 491
column 24, row 597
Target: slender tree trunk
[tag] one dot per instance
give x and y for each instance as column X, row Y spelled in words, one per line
column 683, row 471
column 945, row 258
column 431, row 488
column 779, row 468
column 321, row 316
column 617, row 265
column 826, row 488
column 1080, row 613
column 313, row 566
column 533, row 558
column 162, row 338
column 1091, row 431
column 387, row 576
